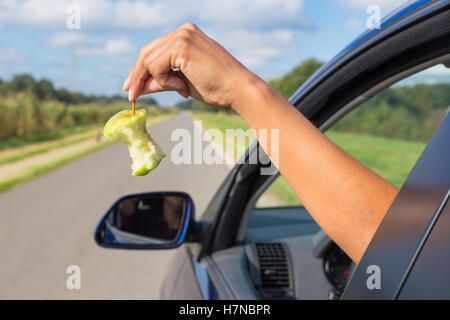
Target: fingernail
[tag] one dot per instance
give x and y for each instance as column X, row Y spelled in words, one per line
column 129, row 95
column 127, row 81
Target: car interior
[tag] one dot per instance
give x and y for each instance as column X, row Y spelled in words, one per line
column 280, row 252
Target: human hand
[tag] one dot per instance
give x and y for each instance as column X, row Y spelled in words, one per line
column 204, row 70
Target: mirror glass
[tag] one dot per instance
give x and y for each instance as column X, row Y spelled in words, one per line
column 152, row 219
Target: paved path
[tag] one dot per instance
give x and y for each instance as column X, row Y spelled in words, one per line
column 42, row 158
column 47, row 224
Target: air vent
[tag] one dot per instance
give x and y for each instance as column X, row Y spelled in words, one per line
column 274, row 271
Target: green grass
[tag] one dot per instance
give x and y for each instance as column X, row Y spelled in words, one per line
column 35, row 149
column 48, row 136
column 31, row 172
column 223, row 121
column 392, row 159
column 282, row 194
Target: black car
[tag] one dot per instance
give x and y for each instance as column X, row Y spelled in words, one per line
column 241, row 252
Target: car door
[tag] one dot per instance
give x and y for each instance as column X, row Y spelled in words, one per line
column 408, row 255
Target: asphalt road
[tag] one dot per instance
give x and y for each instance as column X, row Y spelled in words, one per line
column 47, row 224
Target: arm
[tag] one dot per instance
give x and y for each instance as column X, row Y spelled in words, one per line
column 346, row 199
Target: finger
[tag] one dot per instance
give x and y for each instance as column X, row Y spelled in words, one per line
column 140, row 73
column 158, row 63
column 171, row 54
column 137, row 81
column 126, row 84
column 155, row 60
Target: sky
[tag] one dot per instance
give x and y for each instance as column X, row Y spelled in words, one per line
column 93, row 54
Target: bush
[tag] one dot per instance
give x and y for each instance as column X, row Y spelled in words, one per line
column 401, row 112
column 23, row 115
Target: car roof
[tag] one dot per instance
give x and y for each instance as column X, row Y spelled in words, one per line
column 394, row 22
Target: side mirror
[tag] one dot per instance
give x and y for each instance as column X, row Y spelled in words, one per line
column 155, row 220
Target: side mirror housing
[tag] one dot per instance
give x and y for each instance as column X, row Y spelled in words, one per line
column 154, row 220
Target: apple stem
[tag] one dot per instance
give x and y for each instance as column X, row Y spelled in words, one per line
column 133, row 107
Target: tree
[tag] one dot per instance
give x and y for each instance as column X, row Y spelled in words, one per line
column 286, row 85
column 22, row 83
column 64, row 96
column 192, row 104
column 44, row 89
column 290, row 82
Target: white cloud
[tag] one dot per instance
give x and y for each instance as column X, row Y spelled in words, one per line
column 436, row 74
column 386, row 5
column 43, row 13
column 141, row 14
column 109, row 47
column 266, row 14
column 438, row 70
column 65, row 39
column 96, row 13
column 88, row 46
column 255, row 31
column 254, row 48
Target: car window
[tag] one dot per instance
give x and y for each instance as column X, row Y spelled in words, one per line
column 386, row 133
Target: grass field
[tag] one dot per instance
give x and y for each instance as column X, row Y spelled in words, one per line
column 18, row 153
column 43, row 137
column 223, row 121
column 15, row 178
column 390, row 158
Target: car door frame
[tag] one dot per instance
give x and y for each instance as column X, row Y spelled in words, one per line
column 415, row 216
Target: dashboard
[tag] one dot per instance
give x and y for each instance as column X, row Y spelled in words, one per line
column 285, row 256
